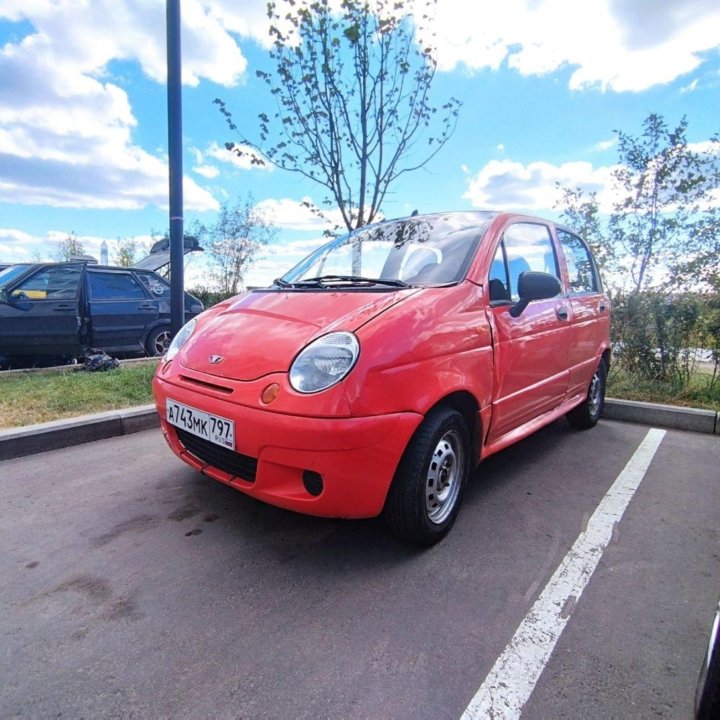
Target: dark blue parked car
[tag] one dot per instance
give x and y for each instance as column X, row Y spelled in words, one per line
column 60, row 310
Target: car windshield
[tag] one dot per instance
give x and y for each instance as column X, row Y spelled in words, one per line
column 421, row 251
column 10, row 273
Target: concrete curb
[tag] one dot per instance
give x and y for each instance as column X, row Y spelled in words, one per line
column 18, row 442
column 666, row 416
column 31, row 439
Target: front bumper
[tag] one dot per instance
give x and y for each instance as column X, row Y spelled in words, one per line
column 355, row 457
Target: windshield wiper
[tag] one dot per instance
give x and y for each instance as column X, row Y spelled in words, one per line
column 324, row 280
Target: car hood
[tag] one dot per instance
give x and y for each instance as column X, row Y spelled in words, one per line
column 262, row 332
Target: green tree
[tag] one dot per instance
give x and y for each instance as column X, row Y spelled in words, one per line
column 68, row 248
column 659, row 245
column 582, row 213
column 126, row 251
column 232, row 243
column 665, row 212
column 666, row 190
column 352, row 89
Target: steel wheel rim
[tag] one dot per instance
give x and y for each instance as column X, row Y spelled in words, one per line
column 443, row 478
column 595, row 394
column 162, row 342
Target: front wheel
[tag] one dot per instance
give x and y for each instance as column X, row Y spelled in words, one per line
column 425, row 496
column 587, row 414
column 158, row 341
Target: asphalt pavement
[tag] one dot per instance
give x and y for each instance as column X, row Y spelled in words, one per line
column 134, row 587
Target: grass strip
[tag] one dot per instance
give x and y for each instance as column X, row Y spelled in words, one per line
column 702, row 391
column 34, row 397
column 28, row 398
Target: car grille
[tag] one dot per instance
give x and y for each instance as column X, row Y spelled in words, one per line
column 221, row 458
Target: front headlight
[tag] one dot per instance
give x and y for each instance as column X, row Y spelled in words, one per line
column 180, row 339
column 324, row 362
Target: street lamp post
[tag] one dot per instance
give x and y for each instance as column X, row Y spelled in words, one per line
column 174, row 92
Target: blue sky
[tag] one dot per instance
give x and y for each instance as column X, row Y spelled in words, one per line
column 83, row 137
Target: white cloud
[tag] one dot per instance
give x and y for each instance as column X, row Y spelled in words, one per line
column 66, row 128
column 242, row 162
column 17, row 246
column 507, row 185
column 84, row 36
column 247, row 18
column 620, row 45
column 293, row 215
column 208, row 171
column 604, row 145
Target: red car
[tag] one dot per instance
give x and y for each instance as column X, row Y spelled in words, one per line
column 375, row 375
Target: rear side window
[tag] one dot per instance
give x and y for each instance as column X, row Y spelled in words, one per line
column 155, row 285
column 525, row 246
column 582, row 273
column 114, row 286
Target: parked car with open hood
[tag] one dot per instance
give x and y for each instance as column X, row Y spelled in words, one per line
column 377, row 373
column 58, row 310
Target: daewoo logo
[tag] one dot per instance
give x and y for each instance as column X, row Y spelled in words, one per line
column 215, row 359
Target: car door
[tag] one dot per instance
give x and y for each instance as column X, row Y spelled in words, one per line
column 42, row 313
column 590, row 311
column 121, row 310
column 530, row 351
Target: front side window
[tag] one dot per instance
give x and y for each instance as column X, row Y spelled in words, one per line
column 524, row 246
column 114, row 286
column 581, row 268
column 53, row 283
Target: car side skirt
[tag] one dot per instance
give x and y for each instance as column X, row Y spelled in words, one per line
column 532, row 426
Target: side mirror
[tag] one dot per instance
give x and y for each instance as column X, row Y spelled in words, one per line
column 534, row 286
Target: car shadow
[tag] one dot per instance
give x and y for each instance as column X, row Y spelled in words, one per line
column 207, row 509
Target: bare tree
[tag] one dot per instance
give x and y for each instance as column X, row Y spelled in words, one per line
column 68, row 248
column 352, row 89
column 232, row 243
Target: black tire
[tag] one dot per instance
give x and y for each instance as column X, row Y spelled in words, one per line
column 707, row 698
column 438, row 453
column 158, row 341
column 587, row 414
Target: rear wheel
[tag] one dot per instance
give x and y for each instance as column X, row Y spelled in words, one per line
column 158, row 341
column 587, row 414
column 427, row 490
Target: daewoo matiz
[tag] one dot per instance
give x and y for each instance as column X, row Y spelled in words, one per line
column 377, row 373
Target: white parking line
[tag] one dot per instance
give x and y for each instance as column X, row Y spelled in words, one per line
column 513, row 677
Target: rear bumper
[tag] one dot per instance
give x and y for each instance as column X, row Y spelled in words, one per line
column 355, row 457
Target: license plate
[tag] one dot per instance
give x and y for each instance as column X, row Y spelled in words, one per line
column 218, row 430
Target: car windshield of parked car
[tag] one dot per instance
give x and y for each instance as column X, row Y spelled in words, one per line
column 10, row 273
column 421, row 251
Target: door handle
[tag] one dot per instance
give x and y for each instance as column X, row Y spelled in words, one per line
column 147, row 306
column 63, row 308
column 562, row 313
